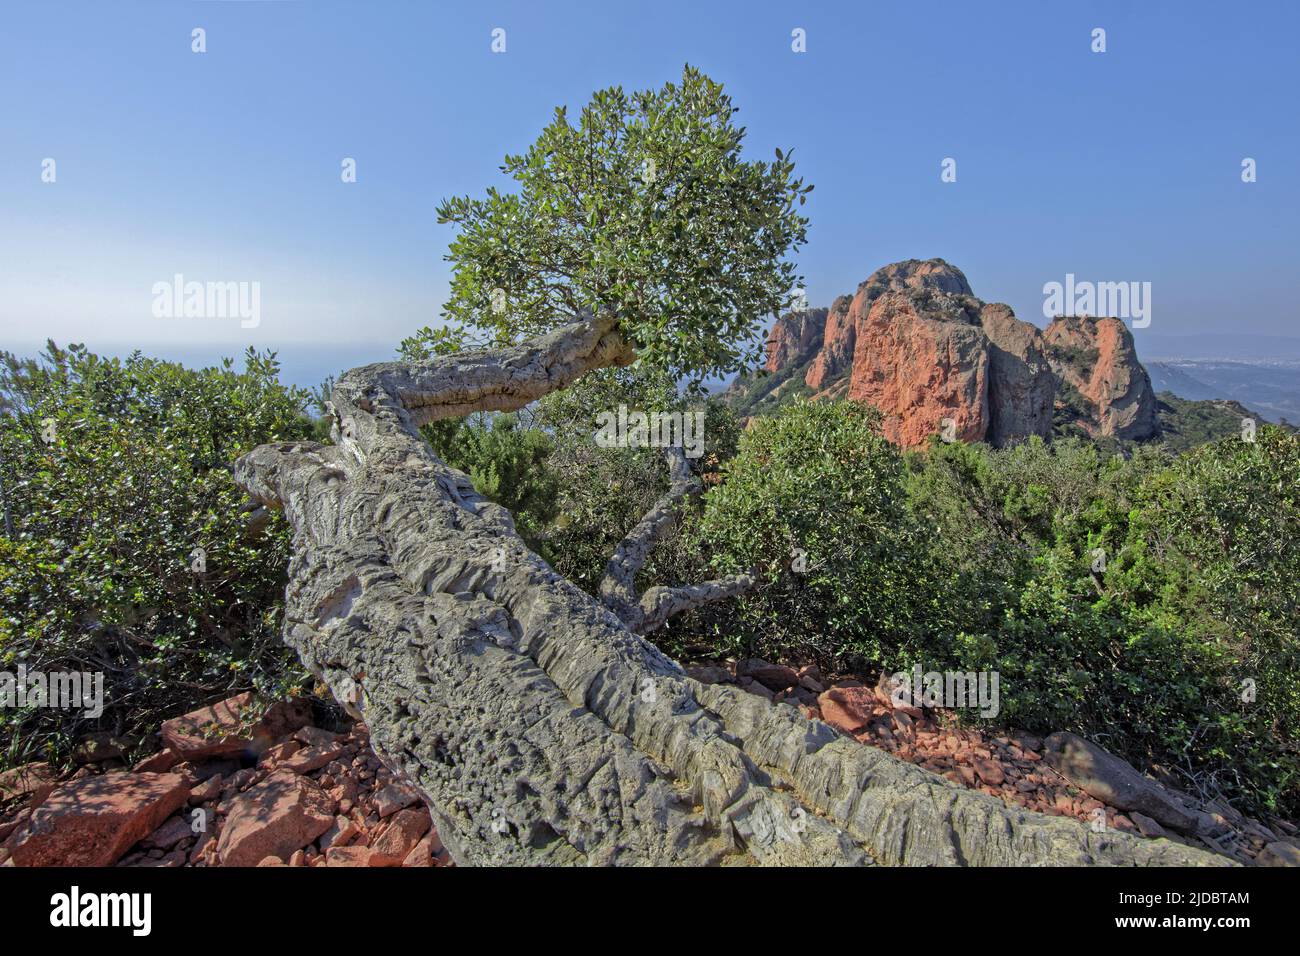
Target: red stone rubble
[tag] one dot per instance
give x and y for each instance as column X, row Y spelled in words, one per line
column 224, row 791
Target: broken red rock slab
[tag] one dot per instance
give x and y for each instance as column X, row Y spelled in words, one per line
column 343, row 832
column 381, row 821
column 421, row 854
column 348, row 856
column 402, row 834
column 279, row 753
column 848, row 709
column 775, row 677
column 229, row 728
column 161, row 762
column 282, row 814
column 313, row 757
column 93, row 821
column 394, row 797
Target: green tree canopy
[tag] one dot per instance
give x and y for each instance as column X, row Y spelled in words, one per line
column 644, row 209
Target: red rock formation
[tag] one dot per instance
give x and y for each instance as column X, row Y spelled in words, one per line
column 921, row 370
column 794, row 337
column 1022, row 386
column 1096, row 357
column 914, row 341
column 286, row 810
column 840, row 340
column 835, row 356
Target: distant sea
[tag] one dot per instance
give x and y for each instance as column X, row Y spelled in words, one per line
column 306, row 366
column 1241, row 347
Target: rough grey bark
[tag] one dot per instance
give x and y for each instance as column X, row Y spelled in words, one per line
column 541, row 729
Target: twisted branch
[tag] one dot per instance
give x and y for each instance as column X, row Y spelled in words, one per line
column 653, row 609
column 538, row 726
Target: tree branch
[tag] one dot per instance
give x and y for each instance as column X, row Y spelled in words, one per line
column 538, row 728
column 658, row 604
column 618, row 587
column 452, row 386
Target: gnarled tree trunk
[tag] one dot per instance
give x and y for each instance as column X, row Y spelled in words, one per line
column 540, row 726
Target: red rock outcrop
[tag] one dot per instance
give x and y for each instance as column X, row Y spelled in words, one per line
column 794, row 336
column 921, row 368
column 835, row 355
column 1022, row 386
column 1096, row 358
column 839, row 343
column 915, row 342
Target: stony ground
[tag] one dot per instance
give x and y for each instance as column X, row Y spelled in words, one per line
column 298, row 796
column 1018, row 769
column 233, row 785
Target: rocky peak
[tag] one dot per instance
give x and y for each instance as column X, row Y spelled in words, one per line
column 924, row 363
column 916, row 342
column 1096, row 359
column 794, row 337
column 926, row 281
column 932, row 274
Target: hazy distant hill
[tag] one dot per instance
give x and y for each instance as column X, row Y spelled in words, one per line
column 1169, row 378
column 1269, row 388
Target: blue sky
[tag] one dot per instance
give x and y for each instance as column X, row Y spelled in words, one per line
column 226, row 165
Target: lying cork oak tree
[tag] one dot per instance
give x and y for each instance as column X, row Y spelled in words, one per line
column 539, row 723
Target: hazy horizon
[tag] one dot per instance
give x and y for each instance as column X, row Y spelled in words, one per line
column 224, row 166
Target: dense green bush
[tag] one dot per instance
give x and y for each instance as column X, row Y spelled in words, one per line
column 507, row 462
column 1127, row 599
column 814, row 500
column 113, row 473
column 1215, row 537
column 1196, row 594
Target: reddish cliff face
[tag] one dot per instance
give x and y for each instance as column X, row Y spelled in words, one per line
column 924, row 366
column 836, row 352
column 839, row 345
column 1096, row 358
column 915, row 342
column 794, row 336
